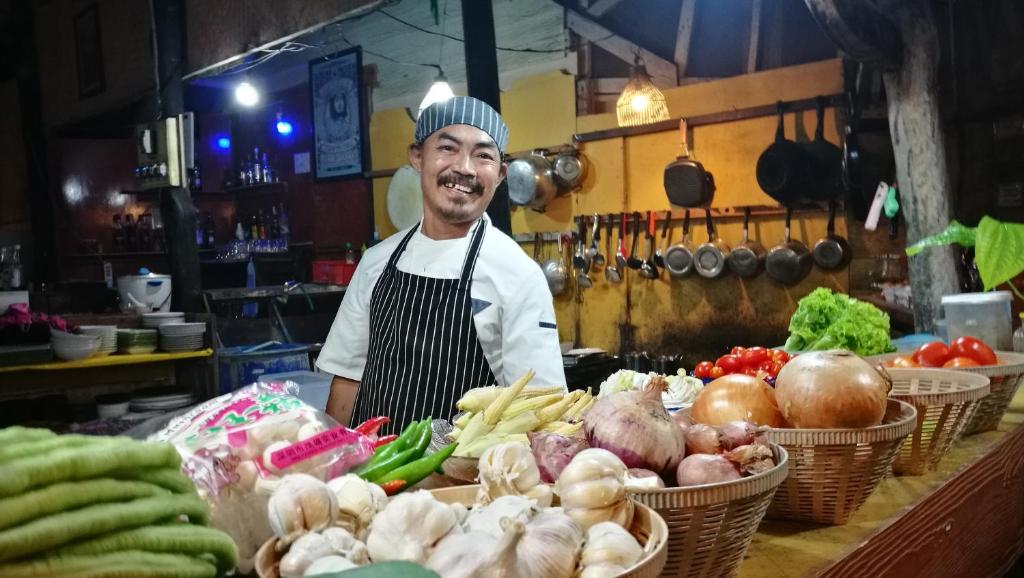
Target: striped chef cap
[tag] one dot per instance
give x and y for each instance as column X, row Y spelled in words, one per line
column 462, row 110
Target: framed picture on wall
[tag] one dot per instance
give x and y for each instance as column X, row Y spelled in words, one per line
column 89, row 52
column 338, row 110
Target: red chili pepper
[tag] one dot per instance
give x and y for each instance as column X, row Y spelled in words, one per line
column 393, row 487
column 370, row 426
column 385, row 440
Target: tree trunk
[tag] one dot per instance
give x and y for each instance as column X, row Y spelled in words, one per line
column 920, row 149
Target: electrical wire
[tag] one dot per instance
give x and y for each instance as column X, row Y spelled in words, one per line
column 457, row 39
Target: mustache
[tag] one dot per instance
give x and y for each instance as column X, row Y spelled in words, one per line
column 469, row 182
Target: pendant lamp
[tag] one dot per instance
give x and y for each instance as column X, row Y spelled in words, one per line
column 440, row 91
column 640, row 102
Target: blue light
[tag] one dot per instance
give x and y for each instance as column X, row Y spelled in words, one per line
column 224, row 142
column 284, row 128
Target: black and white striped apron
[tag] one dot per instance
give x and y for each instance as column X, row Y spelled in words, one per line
column 423, row 351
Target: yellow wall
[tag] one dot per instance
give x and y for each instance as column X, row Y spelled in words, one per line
column 625, row 174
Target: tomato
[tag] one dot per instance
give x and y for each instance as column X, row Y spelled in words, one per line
column 717, row 372
column 975, row 349
column 779, row 355
column 933, row 354
column 703, row 369
column 754, row 356
column 961, row 362
column 751, row 371
column 776, row 368
column 730, row 364
column 737, row 350
column 902, row 361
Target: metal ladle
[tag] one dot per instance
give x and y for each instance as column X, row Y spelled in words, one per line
column 580, row 262
column 595, row 237
column 611, row 272
column 620, row 253
column 633, row 261
column 659, row 256
column 649, row 269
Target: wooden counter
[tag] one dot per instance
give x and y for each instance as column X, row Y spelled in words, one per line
column 964, row 519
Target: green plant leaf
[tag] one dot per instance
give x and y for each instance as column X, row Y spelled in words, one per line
column 954, row 233
column 999, row 252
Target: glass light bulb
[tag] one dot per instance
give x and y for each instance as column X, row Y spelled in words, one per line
column 246, row 94
column 440, row 91
column 640, row 102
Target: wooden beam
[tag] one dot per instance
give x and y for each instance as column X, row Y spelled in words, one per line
column 663, row 72
column 684, row 32
column 859, row 31
column 755, row 34
column 598, row 8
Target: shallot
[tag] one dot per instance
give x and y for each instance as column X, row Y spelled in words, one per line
column 553, row 452
column 752, row 459
column 699, row 469
column 641, row 479
column 702, row 439
column 736, row 433
column 635, row 426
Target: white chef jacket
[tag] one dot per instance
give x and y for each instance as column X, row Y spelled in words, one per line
column 513, row 315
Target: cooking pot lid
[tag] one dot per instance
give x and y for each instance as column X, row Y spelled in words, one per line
column 522, row 182
column 145, row 273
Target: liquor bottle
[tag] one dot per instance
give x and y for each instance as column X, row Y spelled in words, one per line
column 15, row 268
column 145, row 234
column 275, row 228
column 239, row 231
column 249, row 172
column 242, row 174
column 269, row 174
column 262, row 224
column 282, row 224
column 257, row 166
column 254, row 228
column 211, row 240
column 131, row 239
column 199, row 234
column 118, row 239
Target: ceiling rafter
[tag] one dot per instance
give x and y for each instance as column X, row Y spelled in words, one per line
column 662, row 71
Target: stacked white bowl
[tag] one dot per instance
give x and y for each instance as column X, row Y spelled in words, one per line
column 72, row 347
column 181, row 336
column 108, row 337
column 155, row 320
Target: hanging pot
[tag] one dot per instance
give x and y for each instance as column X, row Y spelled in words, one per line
column 831, row 251
column 570, row 170
column 687, row 183
column 785, row 170
column 679, row 257
column 531, row 181
column 747, row 259
column 709, row 259
column 827, row 158
column 790, row 261
column 555, row 271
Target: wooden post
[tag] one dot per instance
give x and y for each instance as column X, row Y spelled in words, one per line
column 901, row 38
column 919, row 144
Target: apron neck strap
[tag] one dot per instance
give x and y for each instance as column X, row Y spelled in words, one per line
column 469, row 265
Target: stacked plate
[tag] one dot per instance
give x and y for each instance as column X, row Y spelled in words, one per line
column 108, row 337
column 158, row 400
column 132, row 341
column 154, row 320
column 181, row 336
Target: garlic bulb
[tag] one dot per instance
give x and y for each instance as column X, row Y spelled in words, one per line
column 510, row 469
column 303, row 552
column 329, row 564
column 464, row 555
column 591, row 464
column 621, row 513
column 599, row 493
column 592, row 489
column 543, row 546
column 358, row 502
column 602, row 571
column 409, row 527
column 487, row 519
column 610, row 544
column 345, row 544
column 300, row 503
column 461, row 512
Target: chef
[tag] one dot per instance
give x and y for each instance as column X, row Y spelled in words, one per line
column 449, row 304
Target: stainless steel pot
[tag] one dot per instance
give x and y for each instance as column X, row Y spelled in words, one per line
column 531, row 181
column 709, row 259
column 555, row 271
column 790, row 261
column 570, row 170
column 679, row 257
column 747, row 259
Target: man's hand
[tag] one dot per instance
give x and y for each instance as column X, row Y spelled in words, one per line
column 342, row 399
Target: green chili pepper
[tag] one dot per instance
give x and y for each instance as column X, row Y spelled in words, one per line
column 409, row 434
column 414, row 472
column 379, row 470
column 423, row 439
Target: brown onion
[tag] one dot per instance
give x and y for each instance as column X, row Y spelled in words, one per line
column 701, row 469
column 737, row 397
column 634, row 426
column 831, row 389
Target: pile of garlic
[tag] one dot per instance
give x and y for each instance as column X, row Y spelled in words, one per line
column 509, row 469
column 321, row 527
column 592, row 489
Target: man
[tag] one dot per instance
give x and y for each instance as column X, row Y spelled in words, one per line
column 449, row 304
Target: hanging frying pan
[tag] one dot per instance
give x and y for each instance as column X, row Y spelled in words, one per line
column 679, row 257
column 785, row 170
column 831, row 251
column 686, row 181
column 709, row 259
column 828, row 159
column 747, row 259
column 790, row 261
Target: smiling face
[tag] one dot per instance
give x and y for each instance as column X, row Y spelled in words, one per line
column 460, row 168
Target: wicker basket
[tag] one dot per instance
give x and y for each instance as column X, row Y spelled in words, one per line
column 648, row 528
column 1003, row 383
column 945, row 402
column 833, row 471
column 710, row 527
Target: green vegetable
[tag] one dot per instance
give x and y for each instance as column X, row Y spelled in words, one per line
column 826, row 320
column 18, row 434
column 414, row 472
column 409, row 436
column 30, row 448
column 999, row 248
column 50, row 532
column 423, row 436
column 128, row 564
column 384, row 570
column 66, row 496
column 84, row 463
column 383, row 467
column 168, row 478
column 169, row 539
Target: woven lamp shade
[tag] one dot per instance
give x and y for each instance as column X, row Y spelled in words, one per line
column 640, row 102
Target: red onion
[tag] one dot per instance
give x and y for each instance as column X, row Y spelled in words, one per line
column 641, row 479
column 737, row 433
column 635, row 426
column 700, row 469
column 752, row 459
column 702, row 439
column 553, row 452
